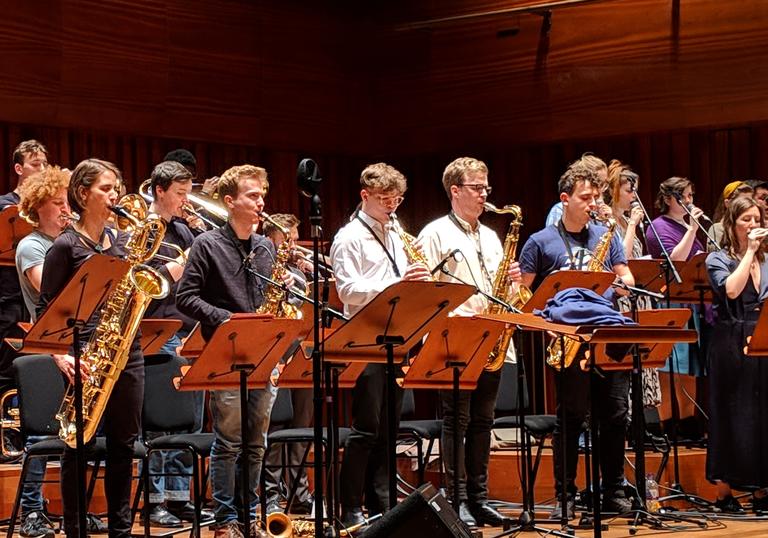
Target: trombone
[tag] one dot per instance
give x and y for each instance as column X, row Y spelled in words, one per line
column 130, row 210
column 198, row 203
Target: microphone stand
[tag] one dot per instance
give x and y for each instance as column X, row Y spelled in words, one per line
column 710, row 239
column 670, row 274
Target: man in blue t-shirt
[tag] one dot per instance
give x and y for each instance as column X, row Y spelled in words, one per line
column 568, row 244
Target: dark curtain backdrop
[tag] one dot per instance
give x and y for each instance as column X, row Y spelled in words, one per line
column 525, row 175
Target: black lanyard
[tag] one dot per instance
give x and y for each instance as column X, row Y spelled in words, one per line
column 98, row 247
column 564, row 236
column 478, row 247
column 383, row 246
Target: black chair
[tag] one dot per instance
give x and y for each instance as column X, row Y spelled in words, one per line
column 538, row 427
column 167, row 409
column 416, row 431
column 282, row 413
column 41, row 390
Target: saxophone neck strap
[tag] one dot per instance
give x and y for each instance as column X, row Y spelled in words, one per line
column 564, row 235
column 389, row 254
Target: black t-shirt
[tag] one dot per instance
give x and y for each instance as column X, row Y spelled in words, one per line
column 69, row 251
column 12, row 306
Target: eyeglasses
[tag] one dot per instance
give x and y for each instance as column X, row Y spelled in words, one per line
column 479, row 188
column 388, row 200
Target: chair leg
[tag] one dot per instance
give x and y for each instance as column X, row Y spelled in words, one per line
column 17, row 502
column 196, row 493
column 92, row 481
column 145, row 477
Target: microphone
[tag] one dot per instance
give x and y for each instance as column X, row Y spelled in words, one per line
column 308, row 177
column 633, row 205
column 689, row 207
column 439, row 267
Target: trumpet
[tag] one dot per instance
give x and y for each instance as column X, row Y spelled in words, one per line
column 308, row 255
column 130, row 210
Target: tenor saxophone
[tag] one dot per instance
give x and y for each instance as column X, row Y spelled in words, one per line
column 275, row 300
column 562, row 355
column 501, row 285
column 106, row 353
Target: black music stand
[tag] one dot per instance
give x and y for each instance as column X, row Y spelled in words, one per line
column 659, row 340
column 453, row 357
column 241, row 354
column 527, row 520
column 387, row 328
column 694, row 287
column 13, row 228
column 58, row 329
column 598, row 282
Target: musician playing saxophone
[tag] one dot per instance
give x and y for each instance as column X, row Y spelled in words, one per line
column 219, row 280
column 92, row 191
column 568, row 244
column 368, row 255
column 465, row 181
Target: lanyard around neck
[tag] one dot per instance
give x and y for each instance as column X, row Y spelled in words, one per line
column 383, row 246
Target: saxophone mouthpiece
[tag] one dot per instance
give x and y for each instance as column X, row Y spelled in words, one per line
column 488, row 206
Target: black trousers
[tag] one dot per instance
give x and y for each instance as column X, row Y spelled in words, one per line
column 364, row 469
column 612, row 403
column 475, row 414
column 303, row 411
column 121, row 426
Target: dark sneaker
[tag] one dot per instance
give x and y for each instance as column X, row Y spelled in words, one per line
column 258, row 532
column 570, row 510
column 37, row 525
column 760, row 504
column 228, row 530
column 729, row 505
column 301, row 508
column 95, row 525
column 617, row 504
column 185, row 511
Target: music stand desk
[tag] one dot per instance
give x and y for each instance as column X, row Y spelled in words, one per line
column 156, row 332
column 13, row 228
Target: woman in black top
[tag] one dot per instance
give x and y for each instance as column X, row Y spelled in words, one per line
column 738, row 385
column 92, row 191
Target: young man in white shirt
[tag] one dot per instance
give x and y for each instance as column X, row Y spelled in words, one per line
column 368, row 256
column 465, row 181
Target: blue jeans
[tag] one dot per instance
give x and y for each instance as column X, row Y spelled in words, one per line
column 32, row 493
column 228, row 446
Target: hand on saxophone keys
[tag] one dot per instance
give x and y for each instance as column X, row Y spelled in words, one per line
column 417, row 271
column 66, row 363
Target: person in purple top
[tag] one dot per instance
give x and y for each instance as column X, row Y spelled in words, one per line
column 678, row 234
column 676, row 229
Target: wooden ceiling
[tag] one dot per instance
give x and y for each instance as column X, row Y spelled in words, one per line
column 358, row 78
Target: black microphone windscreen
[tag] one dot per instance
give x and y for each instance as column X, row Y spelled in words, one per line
column 307, row 177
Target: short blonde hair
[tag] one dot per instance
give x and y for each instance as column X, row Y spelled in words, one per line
column 39, row 188
column 230, row 180
column 384, row 177
column 455, row 172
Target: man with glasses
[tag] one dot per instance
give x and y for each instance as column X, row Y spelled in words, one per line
column 465, row 181
column 368, row 256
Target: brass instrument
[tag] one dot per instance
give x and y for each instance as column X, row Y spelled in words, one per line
column 275, row 298
column 412, row 252
column 562, row 355
column 132, row 209
column 280, row 525
column 501, row 285
column 11, row 440
column 106, row 353
column 200, row 200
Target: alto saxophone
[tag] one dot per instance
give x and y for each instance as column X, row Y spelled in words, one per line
column 275, row 297
column 501, row 285
column 412, row 252
column 106, row 353
column 557, row 354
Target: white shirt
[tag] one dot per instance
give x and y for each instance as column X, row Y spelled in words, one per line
column 362, row 267
column 481, row 254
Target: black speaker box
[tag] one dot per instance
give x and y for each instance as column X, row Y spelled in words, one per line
column 424, row 513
